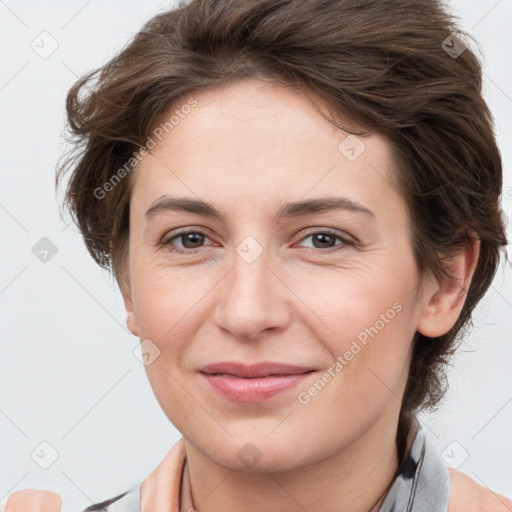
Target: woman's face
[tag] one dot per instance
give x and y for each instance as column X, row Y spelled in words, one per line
column 333, row 290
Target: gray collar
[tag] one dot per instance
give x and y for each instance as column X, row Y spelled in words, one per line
column 422, row 481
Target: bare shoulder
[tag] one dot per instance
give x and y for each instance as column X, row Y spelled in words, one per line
column 467, row 495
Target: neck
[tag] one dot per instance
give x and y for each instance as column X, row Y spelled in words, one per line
column 353, row 479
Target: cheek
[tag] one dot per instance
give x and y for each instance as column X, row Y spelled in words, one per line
column 369, row 370
column 166, row 317
column 167, row 301
column 367, row 326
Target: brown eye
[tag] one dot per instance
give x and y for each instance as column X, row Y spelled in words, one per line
column 327, row 240
column 190, row 240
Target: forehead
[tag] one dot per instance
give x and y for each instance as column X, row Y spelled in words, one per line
column 260, row 140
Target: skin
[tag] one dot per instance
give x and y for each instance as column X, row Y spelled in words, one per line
column 249, row 147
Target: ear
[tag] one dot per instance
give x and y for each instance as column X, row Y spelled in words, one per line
column 443, row 302
column 131, row 321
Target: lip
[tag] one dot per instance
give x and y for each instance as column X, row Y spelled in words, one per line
column 255, row 382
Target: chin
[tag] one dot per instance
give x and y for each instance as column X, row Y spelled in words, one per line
column 257, row 454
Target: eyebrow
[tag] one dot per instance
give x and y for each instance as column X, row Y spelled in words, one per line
column 295, row 209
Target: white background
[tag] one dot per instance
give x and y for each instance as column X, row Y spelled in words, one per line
column 68, row 373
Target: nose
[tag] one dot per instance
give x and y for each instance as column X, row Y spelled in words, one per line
column 253, row 297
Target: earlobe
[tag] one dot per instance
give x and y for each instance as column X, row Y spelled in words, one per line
column 131, row 321
column 443, row 302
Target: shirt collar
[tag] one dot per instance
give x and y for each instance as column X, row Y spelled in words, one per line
column 422, row 481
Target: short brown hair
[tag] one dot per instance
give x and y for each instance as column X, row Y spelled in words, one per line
column 386, row 64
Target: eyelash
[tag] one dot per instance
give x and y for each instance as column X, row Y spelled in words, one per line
column 345, row 241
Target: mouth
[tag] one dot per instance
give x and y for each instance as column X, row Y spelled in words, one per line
column 263, row 369
column 253, row 383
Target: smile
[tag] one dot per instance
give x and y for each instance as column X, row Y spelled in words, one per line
column 253, row 389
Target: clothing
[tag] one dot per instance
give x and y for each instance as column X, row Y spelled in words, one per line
column 421, row 482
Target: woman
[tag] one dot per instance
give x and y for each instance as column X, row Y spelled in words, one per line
column 300, row 203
